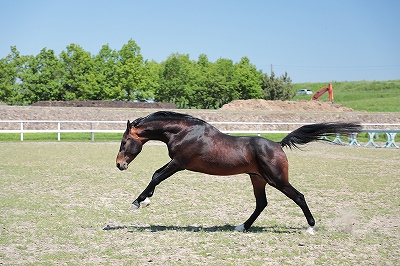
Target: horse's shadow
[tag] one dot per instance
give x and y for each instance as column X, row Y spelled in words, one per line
column 210, row 229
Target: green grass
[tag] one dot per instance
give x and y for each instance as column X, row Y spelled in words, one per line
column 371, row 96
column 57, row 197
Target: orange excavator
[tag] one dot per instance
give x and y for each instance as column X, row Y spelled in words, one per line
column 328, row 89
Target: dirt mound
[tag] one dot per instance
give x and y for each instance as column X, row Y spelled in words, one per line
column 259, row 104
column 240, row 114
column 108, row 104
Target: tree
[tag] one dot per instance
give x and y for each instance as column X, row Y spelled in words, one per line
column 203, row 84
column 132, row 73
column 10, row 69
column 126, row 75
column 202, row 89
column 176, row 80
column 214, row 86
column 247, row 79
column 106, row 69
column 41, row 77
column 152, row 82
column 225, row 76
column 79, row 82
column 276, row 88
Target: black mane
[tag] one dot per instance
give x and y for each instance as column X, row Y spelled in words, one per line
column 166, row 115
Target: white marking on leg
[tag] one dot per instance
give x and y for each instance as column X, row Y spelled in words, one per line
column 310, row 230
column 240, row 228
column 145, row 203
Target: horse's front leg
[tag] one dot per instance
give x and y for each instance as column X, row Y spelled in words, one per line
column 146, row 202
column 160, row 175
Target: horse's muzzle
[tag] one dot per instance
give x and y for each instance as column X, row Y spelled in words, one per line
column 121, row 162
column 122, row 166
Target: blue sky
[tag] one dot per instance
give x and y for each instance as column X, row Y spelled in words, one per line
column 341, row 40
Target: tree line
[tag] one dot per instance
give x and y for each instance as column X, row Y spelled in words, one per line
column 124, row 75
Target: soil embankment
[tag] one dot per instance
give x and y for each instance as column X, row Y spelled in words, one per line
column 254, row 110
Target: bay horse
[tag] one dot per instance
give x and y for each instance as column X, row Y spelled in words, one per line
column 195, row 145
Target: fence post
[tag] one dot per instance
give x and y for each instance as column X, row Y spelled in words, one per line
column 91, row 133
column 58, row 133
column 22, row 131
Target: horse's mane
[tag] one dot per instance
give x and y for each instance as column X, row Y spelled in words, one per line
column 166, row 115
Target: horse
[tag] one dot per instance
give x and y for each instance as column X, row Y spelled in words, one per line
column 195, row 145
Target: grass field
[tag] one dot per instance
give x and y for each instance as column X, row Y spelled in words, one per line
column 371, row 96
column 56, row 199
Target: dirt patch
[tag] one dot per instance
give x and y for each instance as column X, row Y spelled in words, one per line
column 259, row 104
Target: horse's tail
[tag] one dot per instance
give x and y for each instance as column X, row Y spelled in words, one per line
column 313, row 132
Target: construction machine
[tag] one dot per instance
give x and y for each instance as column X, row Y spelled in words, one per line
column 328, row 89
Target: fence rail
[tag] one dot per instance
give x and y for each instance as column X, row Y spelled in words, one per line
column 92, row 127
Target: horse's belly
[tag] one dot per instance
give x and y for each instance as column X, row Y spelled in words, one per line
column 222, row 166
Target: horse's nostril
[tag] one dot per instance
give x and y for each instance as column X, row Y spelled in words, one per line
column 118, row 165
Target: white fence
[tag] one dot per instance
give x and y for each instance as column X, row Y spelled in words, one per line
column 53, row 126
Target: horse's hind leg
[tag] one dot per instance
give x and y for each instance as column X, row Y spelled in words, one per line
column 277, row 175
column 261, row 201
column 299, row 199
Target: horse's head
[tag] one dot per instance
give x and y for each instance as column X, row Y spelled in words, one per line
column 131, row 146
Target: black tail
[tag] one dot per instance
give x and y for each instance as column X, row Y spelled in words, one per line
column 313, row 132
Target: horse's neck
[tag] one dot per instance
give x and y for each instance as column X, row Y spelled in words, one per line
column 160, row 130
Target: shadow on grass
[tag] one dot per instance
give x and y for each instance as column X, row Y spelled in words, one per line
column 223, row 228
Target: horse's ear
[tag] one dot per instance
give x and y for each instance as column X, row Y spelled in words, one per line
column 129, row 125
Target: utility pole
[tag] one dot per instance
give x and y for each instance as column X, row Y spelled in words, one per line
column 271, row 70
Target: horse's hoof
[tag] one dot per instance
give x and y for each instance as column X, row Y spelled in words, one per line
column 135, row 205
column 310, row 230
column 240, row 228
column 145, row 203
